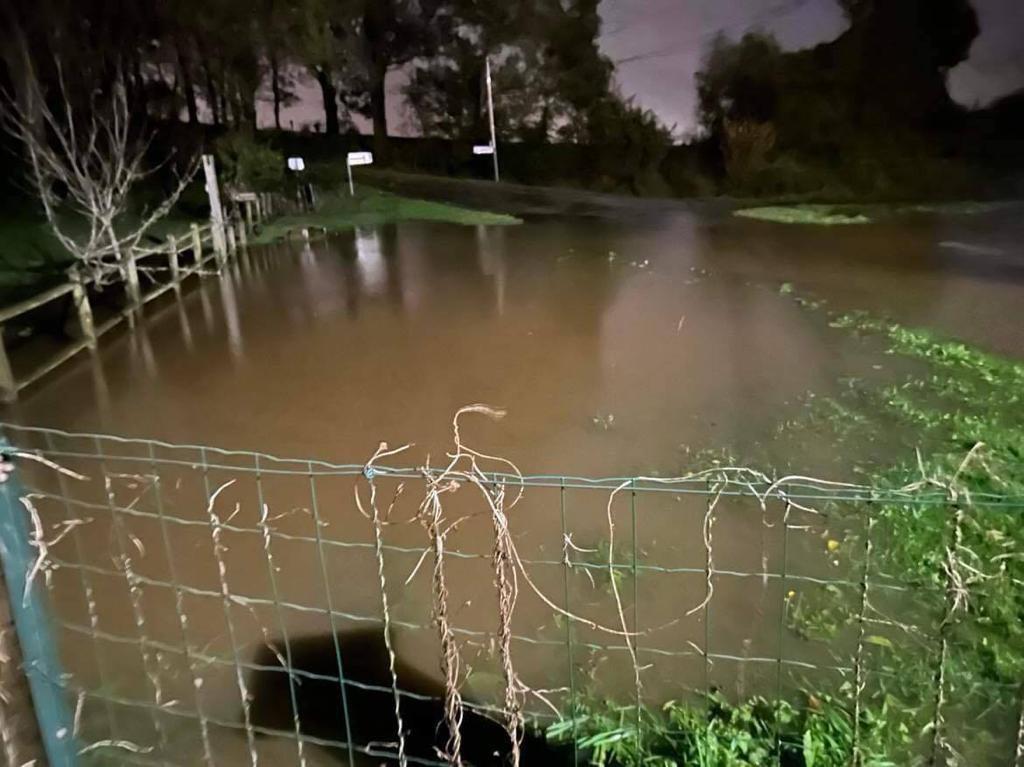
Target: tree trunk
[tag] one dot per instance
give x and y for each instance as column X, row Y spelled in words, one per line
column 379, row 112
column 226, row 107
column 241, row 113
column 211, row 88
column 330, row 94
column 27, row 96
column 247, row 107
column 475, row 104
column 141, row 104
column 186, row 85
column 275, row 88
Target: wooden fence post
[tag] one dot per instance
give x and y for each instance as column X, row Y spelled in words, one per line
column 172, row 260
column 8, row 386
column 216, row 211
column 243, row 239
column 197, row 244
column 231, row 238
column 248, row 213
column 81, row 299
column 131, row 279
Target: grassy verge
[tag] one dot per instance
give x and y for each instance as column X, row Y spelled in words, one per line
column 930, row 593
column 31, row 258
column 818, row 214
column 339, row 211
column 956, row 427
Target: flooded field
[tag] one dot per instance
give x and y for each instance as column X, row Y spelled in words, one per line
column 614, row 344
column 619, row 344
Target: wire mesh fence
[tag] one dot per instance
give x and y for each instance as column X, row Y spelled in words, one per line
column 226, row 607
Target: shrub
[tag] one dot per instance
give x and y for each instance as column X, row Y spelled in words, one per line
column 246, row 164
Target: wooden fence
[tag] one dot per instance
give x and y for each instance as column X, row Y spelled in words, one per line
column 180, row 257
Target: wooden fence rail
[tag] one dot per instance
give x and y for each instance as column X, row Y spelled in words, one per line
column 201, row 241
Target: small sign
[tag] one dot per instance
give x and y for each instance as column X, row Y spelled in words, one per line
column 296, row 163
column 483, row 149
column 244, row 196
column 360, row 158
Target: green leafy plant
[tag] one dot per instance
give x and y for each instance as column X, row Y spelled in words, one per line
column 717, row 733
column 249, row 165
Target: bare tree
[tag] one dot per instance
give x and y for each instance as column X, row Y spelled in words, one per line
column 84, row 162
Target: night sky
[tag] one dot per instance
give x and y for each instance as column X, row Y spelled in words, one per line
column 658, row 45
column 668, row 37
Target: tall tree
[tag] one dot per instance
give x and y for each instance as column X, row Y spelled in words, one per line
column 377, row 36
column 312, row 24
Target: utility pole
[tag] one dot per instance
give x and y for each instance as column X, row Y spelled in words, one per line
column 490, row 116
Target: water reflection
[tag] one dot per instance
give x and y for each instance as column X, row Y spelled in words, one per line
column 372, row 270
column 677, row 328
column 490, row 244
column 229, row 304
column 142, row 349
column 185, row 323
column 101, row 390
column 207, row 309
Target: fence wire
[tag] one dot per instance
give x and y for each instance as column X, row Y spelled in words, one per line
column 185, row 583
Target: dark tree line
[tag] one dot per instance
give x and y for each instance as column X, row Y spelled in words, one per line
column 212, row 60
column 867, row 112
column 853, row 107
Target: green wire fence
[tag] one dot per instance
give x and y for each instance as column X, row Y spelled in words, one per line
column 150, row 581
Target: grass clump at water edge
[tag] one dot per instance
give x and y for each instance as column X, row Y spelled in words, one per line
column 820, row 215
column 935, row 610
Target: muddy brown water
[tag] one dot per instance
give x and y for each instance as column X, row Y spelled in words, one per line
column 619, row 343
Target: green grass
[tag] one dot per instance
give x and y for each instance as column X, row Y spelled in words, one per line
column 31, row 258
column 717, row 733
column 819, row 215
column 839, row 214
column 338, row 211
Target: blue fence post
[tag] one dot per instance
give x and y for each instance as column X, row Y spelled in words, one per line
column 32, row 624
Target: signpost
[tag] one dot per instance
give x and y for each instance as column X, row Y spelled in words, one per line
column 305, row 190
column 356, row 158
column 490, row 115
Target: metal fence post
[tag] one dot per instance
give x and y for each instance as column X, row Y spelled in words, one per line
column 31, row 618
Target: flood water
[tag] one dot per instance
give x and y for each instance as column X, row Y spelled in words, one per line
column 618, row 344
column 612, row 343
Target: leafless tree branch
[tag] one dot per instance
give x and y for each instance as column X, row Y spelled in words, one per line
column 91, row 152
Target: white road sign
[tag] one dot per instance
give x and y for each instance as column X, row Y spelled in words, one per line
column 296, row 163
column 483, row 149
column 360, row 158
